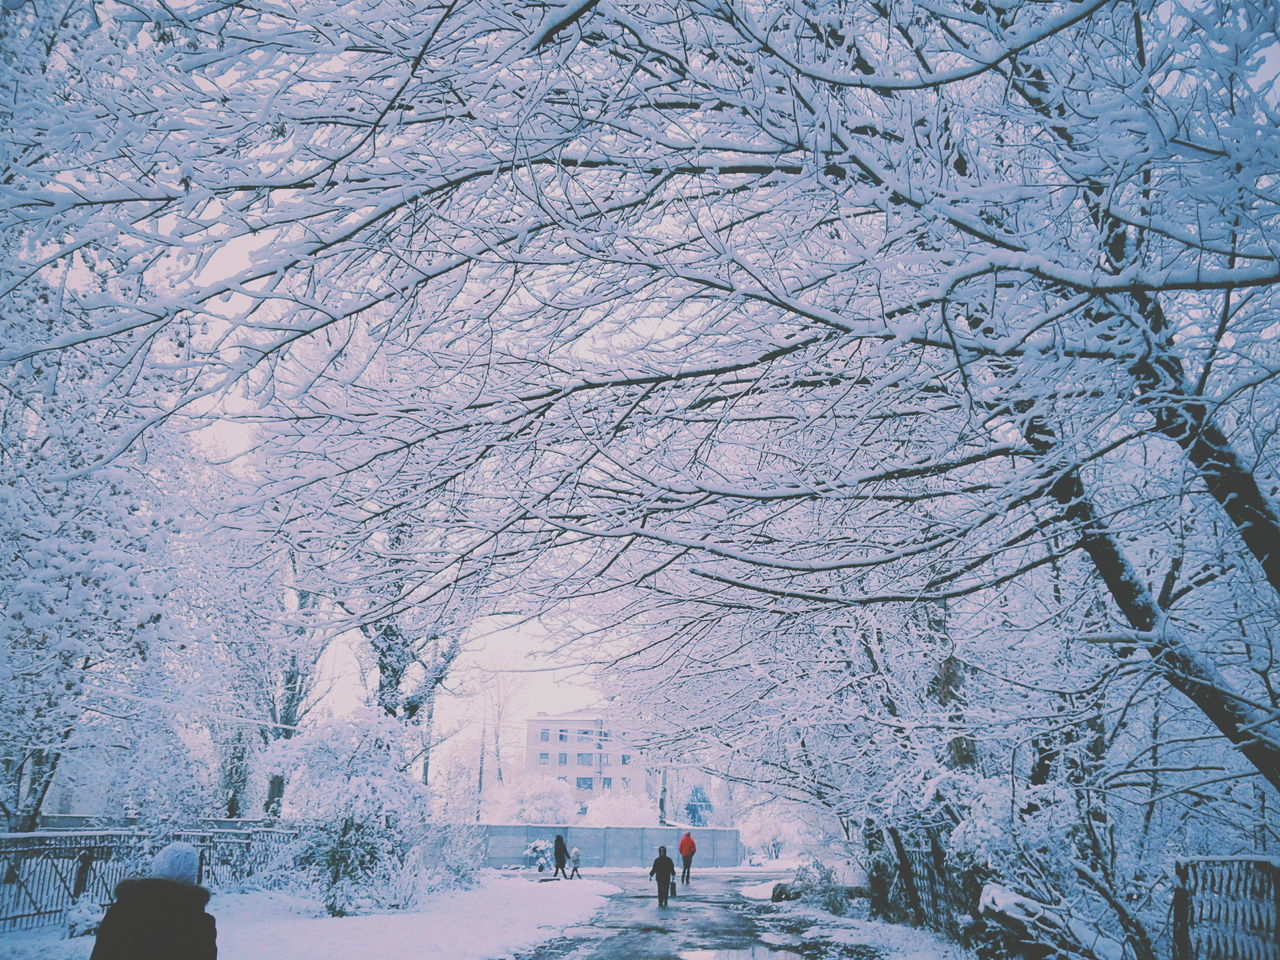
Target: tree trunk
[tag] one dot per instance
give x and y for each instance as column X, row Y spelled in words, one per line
column 1185, row 419
column 275, row 796
column 1252, row 732
column 39, row 769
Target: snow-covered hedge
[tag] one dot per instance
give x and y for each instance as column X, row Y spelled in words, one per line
column 367, row 841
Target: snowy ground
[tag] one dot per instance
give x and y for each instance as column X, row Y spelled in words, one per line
column 893, row 941
column 896, row 943
column 501, row 916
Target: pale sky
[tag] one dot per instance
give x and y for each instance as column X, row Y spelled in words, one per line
column 513, row 662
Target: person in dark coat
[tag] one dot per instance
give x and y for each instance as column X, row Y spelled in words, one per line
column 664, row 871
column 687, row 849
column 160, row 917
column 561, row 856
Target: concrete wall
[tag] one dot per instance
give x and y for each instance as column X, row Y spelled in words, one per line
column 614, row 846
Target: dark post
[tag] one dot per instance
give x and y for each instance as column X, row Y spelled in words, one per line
column 83, row 864
column 1182, row 915
column 1275, row 895
column 877, row 871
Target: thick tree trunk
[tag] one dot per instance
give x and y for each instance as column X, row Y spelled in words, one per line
column 235, row 777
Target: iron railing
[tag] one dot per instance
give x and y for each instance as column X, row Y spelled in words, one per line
column 1227, row 908
column 945, row 899
column 1224, row 908
column 43, row 875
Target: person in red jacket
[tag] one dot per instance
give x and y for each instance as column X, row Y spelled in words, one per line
column 687, row 849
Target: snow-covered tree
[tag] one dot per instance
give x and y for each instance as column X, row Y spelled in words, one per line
column 894, row 382
column 81, row 625
column 530, row 798
column 365, row 809
column 621, row 808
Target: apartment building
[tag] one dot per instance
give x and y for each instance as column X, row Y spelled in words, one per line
column 580, row 748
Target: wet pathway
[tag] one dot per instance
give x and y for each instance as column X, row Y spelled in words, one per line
column 706, row 920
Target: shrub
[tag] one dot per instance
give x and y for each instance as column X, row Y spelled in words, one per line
column 818, row 884
column 364, row 813
column 540, row 852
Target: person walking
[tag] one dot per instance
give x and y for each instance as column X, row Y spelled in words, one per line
column 575, row 861
column 160, row 917
column 560, row 854
column 664, row 871
column 687, row 849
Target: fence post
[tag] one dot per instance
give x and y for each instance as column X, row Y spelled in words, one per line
column 84, row 862
column 1275, row 895
column 1181, row 914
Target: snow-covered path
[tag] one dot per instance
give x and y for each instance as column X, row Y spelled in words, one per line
column 501, row 917
column 612, row 918
column 711, row 919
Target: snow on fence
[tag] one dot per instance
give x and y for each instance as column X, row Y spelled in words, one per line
column 1227, row 908
column 42, row 875
column 1224, row 908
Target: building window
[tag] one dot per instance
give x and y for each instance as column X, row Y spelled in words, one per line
column 626, row 759
column 585, row 759
column 606, row 782
column 544, row 735
column 626, row 783
column 586, row 736
column 563, row 736
column 564, row 759
column 604, row 759
column 584, row 783
column 544, row 758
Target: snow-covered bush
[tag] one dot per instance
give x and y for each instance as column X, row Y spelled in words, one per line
column 364, row 812
column 531, row 798
column 447, row 858
column 770, row 831
column 84, row 916
column 539, row 851
column 818, row 884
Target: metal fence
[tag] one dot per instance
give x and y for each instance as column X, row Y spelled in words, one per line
column 42, row 875
column 1227, row 908
column 941, row 897
column 1224, row 908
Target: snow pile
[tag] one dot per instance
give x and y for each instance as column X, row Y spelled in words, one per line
column 1035, row 917
column 759, row 891
column 893, row 941
column 897, row 943
column 497, row 918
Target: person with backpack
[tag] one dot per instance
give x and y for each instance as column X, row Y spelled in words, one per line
column 160, row 917
column 687, row 849
column 664, row 871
